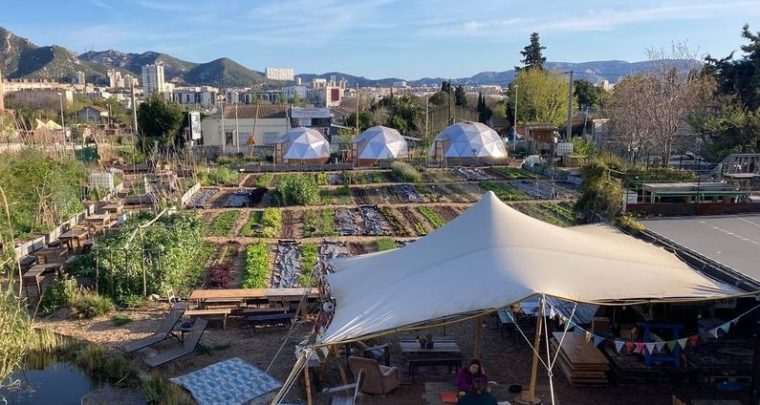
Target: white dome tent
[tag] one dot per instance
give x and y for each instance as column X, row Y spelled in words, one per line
column 378, row 143
column 468, row 140
column 302, row 145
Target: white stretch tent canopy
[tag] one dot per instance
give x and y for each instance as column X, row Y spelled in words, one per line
column 304, row 144
column 492, row 256
column 381, row 142
column 469, row 139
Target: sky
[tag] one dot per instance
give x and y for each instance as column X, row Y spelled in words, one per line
column 408, row 39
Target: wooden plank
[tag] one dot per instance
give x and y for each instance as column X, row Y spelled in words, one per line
column 251, row 293
column 578, row 351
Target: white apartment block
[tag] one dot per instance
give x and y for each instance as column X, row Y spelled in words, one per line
column 273, row 73
column 153, row 79
column 80, row 77
column 203, row 96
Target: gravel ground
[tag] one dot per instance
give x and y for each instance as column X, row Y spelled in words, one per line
column 506, row 360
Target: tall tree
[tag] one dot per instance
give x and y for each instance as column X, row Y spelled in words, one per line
column 587, row 94
column 532, row 55
column 740, row 78
column 542, row 97
column 460, row 97
column 159, row 120
column 446, row 86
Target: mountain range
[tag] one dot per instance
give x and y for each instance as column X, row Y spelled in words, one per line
column 20, row 58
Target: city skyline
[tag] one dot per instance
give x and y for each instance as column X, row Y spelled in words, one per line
column 384, row 38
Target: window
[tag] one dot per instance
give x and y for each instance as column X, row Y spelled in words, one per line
column 228, row 138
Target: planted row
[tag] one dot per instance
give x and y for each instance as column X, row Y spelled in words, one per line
column 432, row 216
column 505, row 192
column 256, row 266
column 319, row 223
column 222, row 224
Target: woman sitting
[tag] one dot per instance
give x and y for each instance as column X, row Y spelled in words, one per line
column 477, row 395
column 467, row 375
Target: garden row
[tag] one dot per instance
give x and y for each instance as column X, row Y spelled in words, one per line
column 294, row 223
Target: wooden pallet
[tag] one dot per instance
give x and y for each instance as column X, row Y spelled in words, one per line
column 580, row 362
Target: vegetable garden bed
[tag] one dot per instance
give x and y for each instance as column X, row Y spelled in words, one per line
column 222, row 224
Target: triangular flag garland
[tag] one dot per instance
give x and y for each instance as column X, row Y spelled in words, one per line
column 622, row 344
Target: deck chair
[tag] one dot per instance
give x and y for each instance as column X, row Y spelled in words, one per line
column 378, row 379
column 343, row 394
column 163, row 332
column 188, row 346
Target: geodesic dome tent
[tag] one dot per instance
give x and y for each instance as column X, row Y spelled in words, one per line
column 468, row 140
column 302, row 145
column 379, row 143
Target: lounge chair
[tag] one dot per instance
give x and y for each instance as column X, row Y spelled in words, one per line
column 378, row 379
column 163, row 332
column 188, row 346
column 381, row 353
column 345, row 397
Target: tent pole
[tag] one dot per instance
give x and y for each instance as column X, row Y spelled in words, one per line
column 531, row 398
column 307, row 384
column 478, row 335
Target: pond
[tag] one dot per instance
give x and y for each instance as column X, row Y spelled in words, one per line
column 53, row 383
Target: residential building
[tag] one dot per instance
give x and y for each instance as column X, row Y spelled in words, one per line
column 114, row 78
column 130, row 81
column 203, row 96
column 604, row 85
column 289, row 92
column 93, row 113
column 240, row 95
column 399, row 84
column 273, row 73
column 269, row 121
column 153, row 79
column 327, row 94
column 80, row 77
column 14, row 85
column 310, row 117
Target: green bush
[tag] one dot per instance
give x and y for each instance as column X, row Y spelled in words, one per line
column 385, row 244
column 271, row 223
column 601, row 194
column 406, row 172
column 218, row 176
column 91, row 305
column 256, row 266
column 60, row 293
column 297, row 189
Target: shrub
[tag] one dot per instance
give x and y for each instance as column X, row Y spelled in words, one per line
column 91, row 305
column 297, row 189
column 256, row 266
column 60, row 293
column 158, row 390
column 385, row 244
column 218, row 176
column 271, row 223
column 120, row 319
column 406, row 172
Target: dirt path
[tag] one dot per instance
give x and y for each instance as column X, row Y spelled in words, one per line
column 242, row 218
column 292, row 224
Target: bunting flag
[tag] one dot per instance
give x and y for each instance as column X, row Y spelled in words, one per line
column 639, row 347
column 629, row 346
column 682, row 342
column 694, row 340
column 650, row 347
column 714, row 332
column 598, row 340
column 660, row 346
column 577, row 330
column 588, row 337
column 619, row 345
column 671, row 344
column 725, row 327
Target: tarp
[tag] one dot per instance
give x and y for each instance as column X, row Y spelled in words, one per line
column 492, row 256
column 469, row 140
column 232, row 381
column 304, row 144
column 381, row 142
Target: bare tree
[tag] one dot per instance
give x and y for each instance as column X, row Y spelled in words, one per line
column 630, row 134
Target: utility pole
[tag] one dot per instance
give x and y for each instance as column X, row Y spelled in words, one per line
column 514, row 125
column 63, row 124
column 427, row 113
column 134, row 113
column 358, row 101
column 224, row 131
column 569, row 131
column 450, row 106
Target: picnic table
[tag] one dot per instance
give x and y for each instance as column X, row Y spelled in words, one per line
column 239, row 296
column 50, row 255
column 35, row 274
column 75, row 238
column 98, row 220
column 445, row 352
column 112, row 208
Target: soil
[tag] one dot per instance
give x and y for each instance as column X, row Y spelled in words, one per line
column 292, row 224
column 446, row 212
column 411, row 217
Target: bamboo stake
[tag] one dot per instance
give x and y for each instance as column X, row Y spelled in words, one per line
column 307, row 383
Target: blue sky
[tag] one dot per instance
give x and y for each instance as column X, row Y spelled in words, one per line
column 384, row 38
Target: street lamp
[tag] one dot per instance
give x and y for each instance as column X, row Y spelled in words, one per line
column 223, row 137
column 63, row 124
column 514, row 126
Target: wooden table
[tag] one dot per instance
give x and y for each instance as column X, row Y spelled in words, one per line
column 34, row 276
column 74, row 238
column 274, row 297
column 50, row 255
column 445, row 352
column 112, row 208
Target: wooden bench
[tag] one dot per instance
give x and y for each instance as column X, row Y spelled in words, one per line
column 281, row 318
column 36, row 273
column 211, row 314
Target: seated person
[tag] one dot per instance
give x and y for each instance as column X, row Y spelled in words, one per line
column 467, row 375
column 477, row 395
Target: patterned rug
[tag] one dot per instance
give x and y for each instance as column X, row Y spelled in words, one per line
column 230, row 382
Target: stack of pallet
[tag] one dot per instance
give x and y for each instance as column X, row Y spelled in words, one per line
column 581, row 362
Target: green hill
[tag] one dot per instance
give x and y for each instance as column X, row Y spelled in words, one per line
column 223, row 72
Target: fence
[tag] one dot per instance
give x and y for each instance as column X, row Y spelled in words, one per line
column 185, row 199
column 678, row 209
